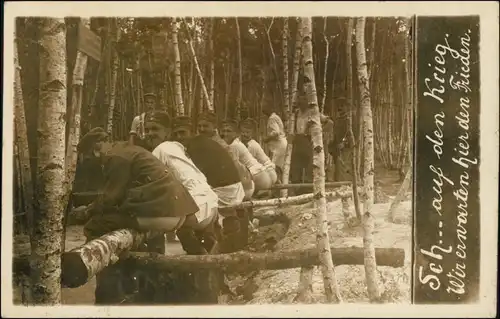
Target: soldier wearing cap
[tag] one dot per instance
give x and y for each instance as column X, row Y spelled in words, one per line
column 207, row 126
column 222, row 175
column 137, row 127
column 173, row 155
column 247, row 130
column 230, row 132
column 276, row 138
column 139, row 193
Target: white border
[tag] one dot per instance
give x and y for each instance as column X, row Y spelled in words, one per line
column 489, row 58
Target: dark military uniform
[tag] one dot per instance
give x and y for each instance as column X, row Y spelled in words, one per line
column 301, row 162
column 136, row 185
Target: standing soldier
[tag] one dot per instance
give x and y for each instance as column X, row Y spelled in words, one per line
column 302, row 152
column 276, row 140
column 137, row 128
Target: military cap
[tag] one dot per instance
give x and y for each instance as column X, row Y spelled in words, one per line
column 248, row 123
column 182, row 121
column 160, row 117
column 230, row 122
column 209, row 117
column 150, row 94
column 95, row 135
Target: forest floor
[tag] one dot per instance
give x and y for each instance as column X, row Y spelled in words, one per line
column 280, row 286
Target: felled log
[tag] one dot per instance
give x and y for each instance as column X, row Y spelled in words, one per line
column 304, row 185
column 246, row 261
column 293, row 200
column 81, row 264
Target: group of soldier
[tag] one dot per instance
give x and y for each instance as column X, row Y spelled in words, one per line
column 167, row 178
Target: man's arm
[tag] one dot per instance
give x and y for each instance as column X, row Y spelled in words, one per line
column 117, row 171
column 133, row 129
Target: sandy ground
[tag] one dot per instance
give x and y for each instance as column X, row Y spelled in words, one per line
column 280, row 286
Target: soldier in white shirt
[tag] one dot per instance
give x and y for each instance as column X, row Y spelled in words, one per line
column 136, row 133
column 207, row 126
column 247, row 131
column 173, row 155
column 229, row 132
column 276, row 138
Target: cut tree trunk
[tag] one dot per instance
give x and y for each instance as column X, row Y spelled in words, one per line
column 294, row 200
column 46, row 238
column 22, row 141
column 329, row 280
column 368, row 172
column 179, row 104
column 308, row 185
column 81, row 264
column 79, row 268
column 350, row 133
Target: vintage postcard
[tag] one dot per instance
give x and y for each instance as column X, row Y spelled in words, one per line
column 250, row 159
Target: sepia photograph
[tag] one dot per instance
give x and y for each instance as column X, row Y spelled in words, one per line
column 196, row 160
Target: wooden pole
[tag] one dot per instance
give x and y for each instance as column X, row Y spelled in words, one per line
column 79, row 265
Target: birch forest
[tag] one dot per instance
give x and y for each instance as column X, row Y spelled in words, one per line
column 356, row 71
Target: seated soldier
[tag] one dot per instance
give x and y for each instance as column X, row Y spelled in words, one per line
column 207, row 126
column 247, row 129
column 139, row 193
column 173, row 155
column 222, row 175
column 229, row 132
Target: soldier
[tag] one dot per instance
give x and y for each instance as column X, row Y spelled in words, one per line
column 247, row 129
column 138, row 193
column 302, row 152
column 173, row 155
column 229, row 132
column 137, row 127
column 222, row 175
column 276, row 139
column 207, row 126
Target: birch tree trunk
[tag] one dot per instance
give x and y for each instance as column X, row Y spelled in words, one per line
column 46, row 238
column 198, row 70
column 368, row 172
column 21, row 136
column 114, row 75
column 240, row 73
column 284, row 43
column 400, row 195
column 76, row 109
column 290, row 122
column 329, row 281
column 409, row 97
column 390, row 117
column 212, row 61
column 350, row 133
column 179, row 105
column 327, row 51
